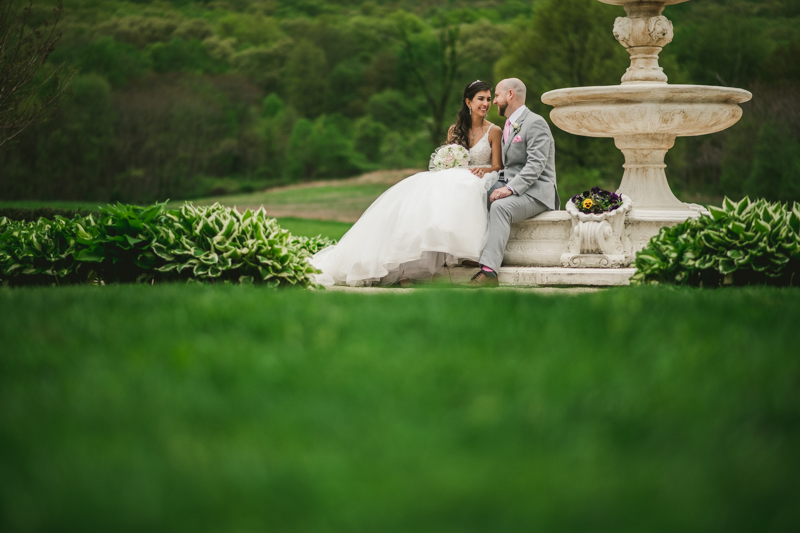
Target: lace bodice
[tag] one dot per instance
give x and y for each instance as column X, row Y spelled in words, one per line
column 481, row 154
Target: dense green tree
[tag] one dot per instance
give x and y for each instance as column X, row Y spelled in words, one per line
column 140, row 30
column 300, row 164
column 715, row 49
column 306, row 78
column 432, row 57
column 776, row 165
column 183, row 56
column 396, row 110
column 250, row 29
column 276, row 124
column 368, row 138
column 264, row 66
column 67, row 158
column 120, row 63
column 194, row 29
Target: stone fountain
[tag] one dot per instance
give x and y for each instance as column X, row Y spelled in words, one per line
column 644, row 115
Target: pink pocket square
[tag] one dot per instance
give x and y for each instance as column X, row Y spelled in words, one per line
column 517, row 139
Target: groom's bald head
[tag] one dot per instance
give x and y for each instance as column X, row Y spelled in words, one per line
column 510, row 96
column 516, row 86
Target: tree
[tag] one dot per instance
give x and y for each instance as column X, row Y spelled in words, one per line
column 306, row 78
column 432, row 57
column 569, row 43
column 28, row 92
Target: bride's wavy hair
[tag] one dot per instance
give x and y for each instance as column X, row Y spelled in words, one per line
column 464, row 118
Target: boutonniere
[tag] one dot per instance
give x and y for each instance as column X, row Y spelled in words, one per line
column 516, row 127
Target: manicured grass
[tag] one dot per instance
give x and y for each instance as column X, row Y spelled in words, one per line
column 342, row 201
column 312, row 228
column 198, row 408
column 323, row 194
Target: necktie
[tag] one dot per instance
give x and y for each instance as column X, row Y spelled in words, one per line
column 507, row 131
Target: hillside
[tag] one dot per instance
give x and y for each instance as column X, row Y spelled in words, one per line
column 189, row 98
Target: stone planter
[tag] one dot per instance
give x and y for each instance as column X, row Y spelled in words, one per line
column 598, row 241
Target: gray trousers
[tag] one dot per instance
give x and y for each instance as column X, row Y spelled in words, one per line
column 501, row 214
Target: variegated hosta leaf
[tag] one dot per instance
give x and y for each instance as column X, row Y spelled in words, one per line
column 754, row 236
column 130, row 243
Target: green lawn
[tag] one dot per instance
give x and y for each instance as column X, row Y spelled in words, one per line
column 199, row 408
column 323, row 194
column 312, row 228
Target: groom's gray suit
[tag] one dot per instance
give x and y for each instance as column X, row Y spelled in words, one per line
column 530, row 171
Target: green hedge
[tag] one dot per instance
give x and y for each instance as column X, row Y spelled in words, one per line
column 744, row 243
column 126, row 244
column 29, row 214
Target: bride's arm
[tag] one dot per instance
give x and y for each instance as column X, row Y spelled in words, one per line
column 496, row 142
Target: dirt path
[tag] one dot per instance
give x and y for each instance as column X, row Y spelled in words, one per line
column 380, row 177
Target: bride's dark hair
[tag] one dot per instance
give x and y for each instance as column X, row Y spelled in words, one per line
column 464, row 118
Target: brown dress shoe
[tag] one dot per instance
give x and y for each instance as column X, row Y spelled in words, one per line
column 469, row 263
column 484, row 279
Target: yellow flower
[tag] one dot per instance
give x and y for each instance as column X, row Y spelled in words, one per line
column 587, row 204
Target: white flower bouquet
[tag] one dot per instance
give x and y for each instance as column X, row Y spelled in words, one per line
column 449, row 156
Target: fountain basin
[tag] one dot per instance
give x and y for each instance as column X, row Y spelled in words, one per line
column 651, row 108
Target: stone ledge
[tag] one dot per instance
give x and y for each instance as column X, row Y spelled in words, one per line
column 550, row 276
column 541, row 241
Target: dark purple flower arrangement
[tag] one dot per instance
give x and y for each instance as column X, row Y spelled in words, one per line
column 597, row 201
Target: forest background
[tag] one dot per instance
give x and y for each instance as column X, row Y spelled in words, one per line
column 184, row 99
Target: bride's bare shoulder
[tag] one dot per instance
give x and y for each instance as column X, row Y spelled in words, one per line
column 495, row 133
column 450, row 133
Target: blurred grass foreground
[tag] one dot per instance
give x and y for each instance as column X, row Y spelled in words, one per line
column 201, row 408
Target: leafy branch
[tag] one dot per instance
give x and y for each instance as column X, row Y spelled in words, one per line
column 28, row 93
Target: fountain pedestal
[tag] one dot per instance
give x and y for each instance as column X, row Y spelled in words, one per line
column 644, row 115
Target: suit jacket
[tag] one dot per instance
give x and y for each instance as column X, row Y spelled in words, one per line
column 530, row 163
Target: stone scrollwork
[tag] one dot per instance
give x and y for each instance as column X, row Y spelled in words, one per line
column 598, row 240
column 623, row 28
column 652, row 31
column 660, row 31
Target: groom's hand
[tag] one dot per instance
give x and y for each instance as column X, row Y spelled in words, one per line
column 498, row 194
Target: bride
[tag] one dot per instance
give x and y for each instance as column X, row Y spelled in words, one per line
column 427, row 220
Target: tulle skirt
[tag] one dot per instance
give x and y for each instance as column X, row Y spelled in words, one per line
column 412, row 230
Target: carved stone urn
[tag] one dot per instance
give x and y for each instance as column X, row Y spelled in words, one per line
column 598, row 240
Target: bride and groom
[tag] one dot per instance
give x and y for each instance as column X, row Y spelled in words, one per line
column 432, row 219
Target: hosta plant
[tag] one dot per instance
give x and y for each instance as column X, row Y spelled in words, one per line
column 219, row 243
column 749, row 242
column 146, row 244
column 43, row 251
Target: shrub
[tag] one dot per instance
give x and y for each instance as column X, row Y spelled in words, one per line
column 146, row 244
column 44, row 252
column 25, row 214
column 741, row 243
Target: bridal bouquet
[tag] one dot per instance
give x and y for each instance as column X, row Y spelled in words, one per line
column 449, row 156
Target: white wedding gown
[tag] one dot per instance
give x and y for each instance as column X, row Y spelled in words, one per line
column 413, row 229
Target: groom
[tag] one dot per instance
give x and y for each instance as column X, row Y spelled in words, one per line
column 527, row 185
